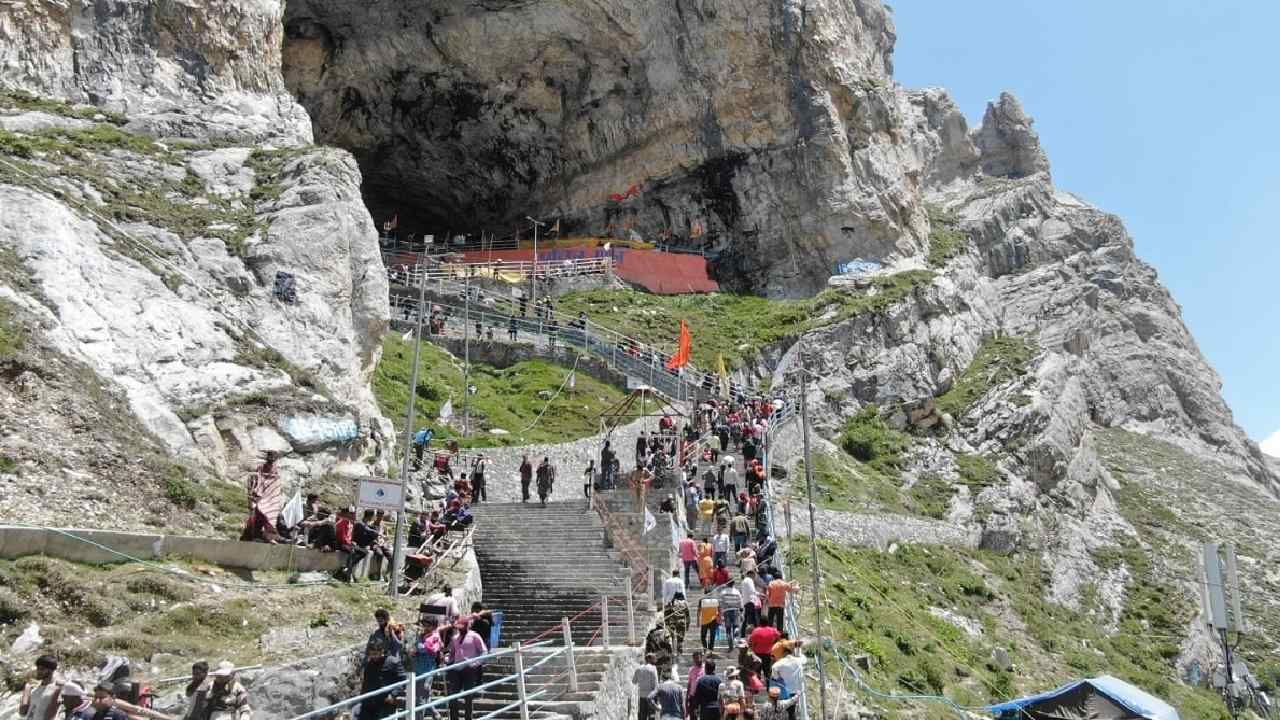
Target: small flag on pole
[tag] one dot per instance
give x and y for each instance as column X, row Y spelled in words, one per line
column 446, row 410
column 407, row 334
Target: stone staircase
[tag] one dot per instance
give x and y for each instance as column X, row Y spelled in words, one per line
column 539, row 565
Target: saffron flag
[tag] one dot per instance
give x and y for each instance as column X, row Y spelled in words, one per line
column 684, row 351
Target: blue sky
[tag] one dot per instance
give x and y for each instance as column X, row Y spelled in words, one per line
column 1165, row 112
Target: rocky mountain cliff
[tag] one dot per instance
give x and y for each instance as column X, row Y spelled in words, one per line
column 142, row 230
column 141, row 235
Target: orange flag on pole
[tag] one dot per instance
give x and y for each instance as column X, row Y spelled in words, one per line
column 684, row 352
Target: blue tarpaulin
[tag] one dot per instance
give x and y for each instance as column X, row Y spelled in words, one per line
column 1135, row 700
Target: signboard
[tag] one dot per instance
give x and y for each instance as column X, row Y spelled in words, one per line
column 379, row 495
column 857, row 266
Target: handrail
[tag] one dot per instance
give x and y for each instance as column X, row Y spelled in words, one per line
column 414, row 677
column 777, row 420
column 573, row 267
column 592, row 328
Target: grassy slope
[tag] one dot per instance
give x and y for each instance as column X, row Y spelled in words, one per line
column 507, row 399
column 878, row 604
column 88, row 611
column 736, row 326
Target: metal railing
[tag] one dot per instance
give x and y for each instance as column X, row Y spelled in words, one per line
column 643, row 362
column 645, row 366
column 496, row 269
column 777, row 421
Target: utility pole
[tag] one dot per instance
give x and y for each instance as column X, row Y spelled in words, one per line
column 466, row 356
column 813, row 532
column 533, row 278
column 397, row 555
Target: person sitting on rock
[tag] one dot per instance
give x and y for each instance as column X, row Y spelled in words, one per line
column 221, row 695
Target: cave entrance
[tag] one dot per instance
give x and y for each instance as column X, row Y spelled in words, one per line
column 435, row 151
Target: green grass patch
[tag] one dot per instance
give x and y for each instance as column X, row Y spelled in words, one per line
column 976, row 471
column 869, row 440
column 20, row 100
column 13, row 336
column 735, row 326
column 931, row 496
column 265, row 357
column 842, row 483
column 945, row 241
column 999, row 360
column 509, row 399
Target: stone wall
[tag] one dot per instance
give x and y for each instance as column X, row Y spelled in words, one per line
column 96, row 546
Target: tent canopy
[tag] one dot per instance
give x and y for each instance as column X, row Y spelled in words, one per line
column 1100, row 698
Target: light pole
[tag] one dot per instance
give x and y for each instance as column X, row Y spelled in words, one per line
column 533, row 283
column 397, row 555
column 813, row 533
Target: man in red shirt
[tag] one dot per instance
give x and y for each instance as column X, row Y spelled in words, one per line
column 689, row 556
column 761, row 641
column 344, row 528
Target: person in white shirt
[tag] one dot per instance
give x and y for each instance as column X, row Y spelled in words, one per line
column 720, row 548
column 750, row 600
column 671, row 586
column 790, row 669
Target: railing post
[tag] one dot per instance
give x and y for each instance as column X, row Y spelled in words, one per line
column 631, row 613
column 520, row 689
column 572, row 664
column 653, row 594
column 604, row 620
column 411, row 695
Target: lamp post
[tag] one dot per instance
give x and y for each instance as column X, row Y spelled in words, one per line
column 397, row 555
column 533, row 281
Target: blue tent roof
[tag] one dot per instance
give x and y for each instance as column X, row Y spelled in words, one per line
column 1120, row 692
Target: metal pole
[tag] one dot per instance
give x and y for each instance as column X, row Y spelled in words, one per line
column 397, row 555
column 604, row 620
column 466, row 357
column 411, row 694
column 520, row 689
column 813, row 533
column 572, row 664
column 631, row 611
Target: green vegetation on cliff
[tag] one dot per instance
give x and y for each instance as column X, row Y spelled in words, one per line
column 945, row 241
column 509, row 399
column 998, row 360
column 735, row 326
column 930, row 618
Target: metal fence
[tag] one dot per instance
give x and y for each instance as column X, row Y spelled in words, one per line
column 499, row 270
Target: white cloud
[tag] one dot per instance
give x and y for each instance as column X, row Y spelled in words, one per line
column 1271, row 445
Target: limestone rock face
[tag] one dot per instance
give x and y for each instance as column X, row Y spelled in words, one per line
column 205, row 338
column 179, row 68
column 776, row 129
